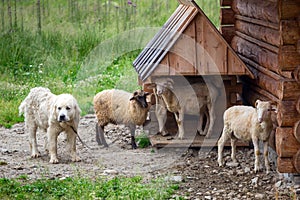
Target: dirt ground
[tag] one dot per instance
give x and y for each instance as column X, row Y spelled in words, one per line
column 195, row 171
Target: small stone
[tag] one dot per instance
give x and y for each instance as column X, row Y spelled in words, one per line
column 254, row 181
column 259, row 196
column 247, row 169
column 110, row 172
column 278, row 184
column 174, row 178
column 232, row 164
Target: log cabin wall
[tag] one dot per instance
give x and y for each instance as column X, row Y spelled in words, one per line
column 267, row 38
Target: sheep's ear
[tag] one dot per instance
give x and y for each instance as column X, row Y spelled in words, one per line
column 132, row 98
column 151, row 86
column 257, row 101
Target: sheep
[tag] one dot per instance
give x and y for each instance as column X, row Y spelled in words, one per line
column 120, row 107
column 181, row 100
column 246, row 123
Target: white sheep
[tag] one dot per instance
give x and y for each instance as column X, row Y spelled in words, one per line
column 182, row 100
column 120, row 107
column 247, row 123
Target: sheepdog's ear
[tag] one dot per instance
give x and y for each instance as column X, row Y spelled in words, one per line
column 53, row 114
column 76, row 115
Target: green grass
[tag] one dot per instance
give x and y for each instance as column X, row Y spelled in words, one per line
column 83, row 188
column 83, row 47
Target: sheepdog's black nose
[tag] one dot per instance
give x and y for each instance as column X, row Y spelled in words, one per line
column 62, row 118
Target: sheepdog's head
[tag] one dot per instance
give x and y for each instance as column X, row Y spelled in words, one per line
column 140, row 97
column 65, row 108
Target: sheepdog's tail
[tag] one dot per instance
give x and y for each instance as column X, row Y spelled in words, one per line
column 22, row 107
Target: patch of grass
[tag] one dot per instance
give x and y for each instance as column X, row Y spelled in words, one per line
column 143, row 140
column 83, row 188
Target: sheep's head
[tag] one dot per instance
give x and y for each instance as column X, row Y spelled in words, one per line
column 263, row 109
column 162, row 84
column 140, row 97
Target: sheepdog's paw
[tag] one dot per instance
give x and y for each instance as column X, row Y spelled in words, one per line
column 76, row 159
column 53, row 161
column 35, row 155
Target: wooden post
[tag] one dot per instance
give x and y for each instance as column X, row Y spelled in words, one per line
column 285, row 165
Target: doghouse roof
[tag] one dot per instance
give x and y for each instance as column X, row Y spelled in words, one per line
column 188, row 44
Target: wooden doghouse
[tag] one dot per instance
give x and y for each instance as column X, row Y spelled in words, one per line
column 189, row 45
column 266, row 35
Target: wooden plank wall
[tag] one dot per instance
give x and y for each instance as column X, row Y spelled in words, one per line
column 267, row 38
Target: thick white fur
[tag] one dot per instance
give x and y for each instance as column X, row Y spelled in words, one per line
column 247, row 123
column 52, row 114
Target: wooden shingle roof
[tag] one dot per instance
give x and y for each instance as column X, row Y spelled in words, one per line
column 188, row 44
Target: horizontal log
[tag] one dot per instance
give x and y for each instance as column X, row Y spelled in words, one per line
column 282, row 88
column 296, row 161
column 285, row 165
column 262, row 56
column 257, row 21
column 288, row 58
column 258, row 42
column 296, row 74
column 297, row 130
column 286, row 143
column 286, row 111
column 284, row 63
column 227, row 16
column 287, row 114
column 289, row 31
column 288, row 9
column 264, row 10
column 263, row 33
column 228, row 32
column 225, row 2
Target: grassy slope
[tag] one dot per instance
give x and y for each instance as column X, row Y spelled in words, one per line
column 83, row 48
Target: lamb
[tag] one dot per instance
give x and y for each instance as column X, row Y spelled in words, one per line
column 181, row 100
column 120, row 107
column 246, row 123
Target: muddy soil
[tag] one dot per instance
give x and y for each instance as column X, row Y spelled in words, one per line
column 196, row 171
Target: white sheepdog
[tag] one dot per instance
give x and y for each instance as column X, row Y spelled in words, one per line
column 52, row 114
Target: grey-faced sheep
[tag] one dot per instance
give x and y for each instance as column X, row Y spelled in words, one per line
column 120, row 107
column 182, row 100
column 247, row 123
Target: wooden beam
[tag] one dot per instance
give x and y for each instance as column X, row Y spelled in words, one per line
column 286, row 143
column 227, row 16
column 264, row 10
column 285, row 165
column 225, row 2
column 288, row 9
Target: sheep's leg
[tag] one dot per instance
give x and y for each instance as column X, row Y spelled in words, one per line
column 266, row 156
column 212, row 118
column 200, row 125
column 207, row 122
column 100, row 135
column 256, row 152
column 224, row 137
column 233, row 150
column 179, row 119
column 161, row 115
column 132, row 130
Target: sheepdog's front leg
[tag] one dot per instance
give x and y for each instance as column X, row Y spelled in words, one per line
column 52, row 135
column 71, row 140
